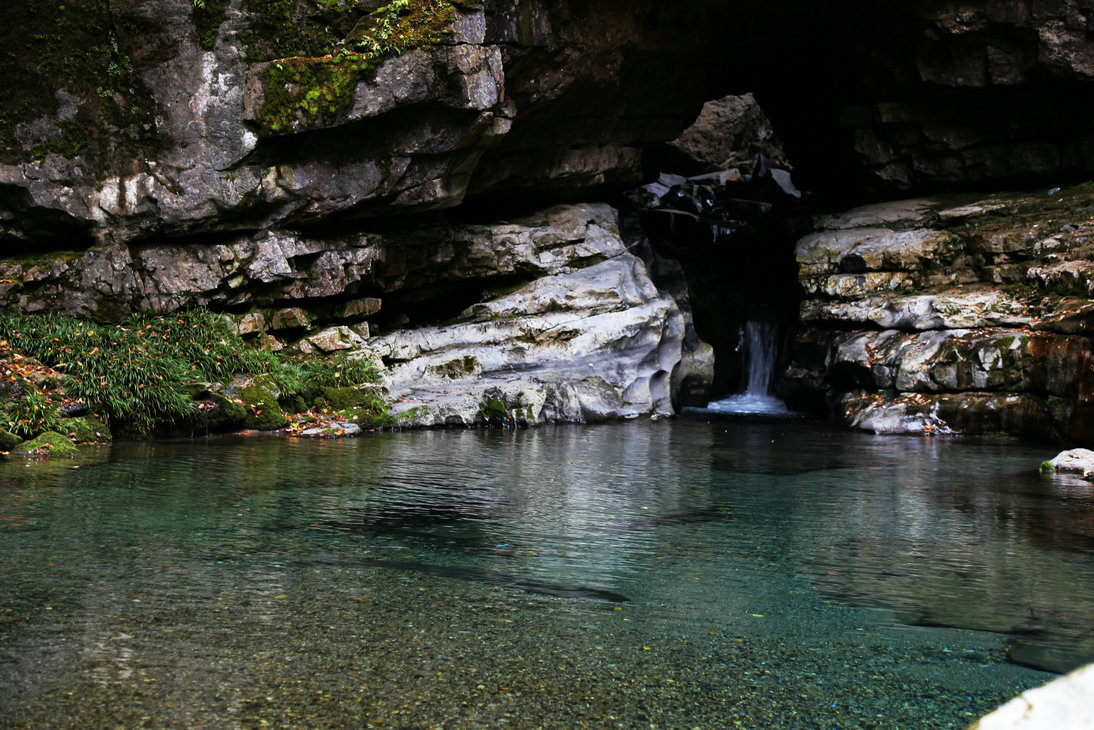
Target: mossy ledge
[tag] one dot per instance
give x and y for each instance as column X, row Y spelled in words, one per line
column 49, row 443
column 302, row 92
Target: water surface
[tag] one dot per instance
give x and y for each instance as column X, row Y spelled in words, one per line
column 684, row 574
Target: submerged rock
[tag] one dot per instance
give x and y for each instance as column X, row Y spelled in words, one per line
column 334, row 429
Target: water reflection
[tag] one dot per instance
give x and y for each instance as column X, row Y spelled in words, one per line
column 684, row 574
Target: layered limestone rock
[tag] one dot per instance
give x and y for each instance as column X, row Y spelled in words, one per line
column 953, row 315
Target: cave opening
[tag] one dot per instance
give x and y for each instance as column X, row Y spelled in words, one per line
column 721, row 220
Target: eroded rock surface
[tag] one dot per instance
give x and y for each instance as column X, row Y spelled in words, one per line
column 586, row 345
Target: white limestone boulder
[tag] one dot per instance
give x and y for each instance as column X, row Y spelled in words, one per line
column 1063, row 704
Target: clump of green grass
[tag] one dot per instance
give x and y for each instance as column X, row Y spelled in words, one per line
column 136, row 372
column 29, row 412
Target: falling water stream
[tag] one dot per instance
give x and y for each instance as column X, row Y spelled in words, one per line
column 759, row 345
column 681, row 574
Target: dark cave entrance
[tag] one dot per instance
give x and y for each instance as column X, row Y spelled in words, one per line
column 721, row 238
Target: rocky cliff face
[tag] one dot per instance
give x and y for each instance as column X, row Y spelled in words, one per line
column 348, row 174
column 135, row 119
column 274, row 159
column 149, row 120
column 951, row 315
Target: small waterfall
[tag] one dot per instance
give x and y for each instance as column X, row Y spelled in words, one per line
column 760, row 344
column 761, row 352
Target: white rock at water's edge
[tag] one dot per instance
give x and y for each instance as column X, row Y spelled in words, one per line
column 587, row 345
column 1063, row 704
column 1075, row 461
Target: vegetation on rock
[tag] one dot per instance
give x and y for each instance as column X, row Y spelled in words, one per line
column 49, row 443
column 71, row 53
column 85, row 429
column 303, row 90
column 139, row 375
column 8, row 440
column 263, row 411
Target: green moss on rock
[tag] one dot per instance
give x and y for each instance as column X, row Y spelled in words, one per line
column 313, row 85
column 78, row 48
column 283, row 28
column 264, row 412
column 226, row 414
column 8, row 440
column 49, row 443
column 207, row 19
column 412, row 414
column 340, row 398
column 492, row 410
column 371, row 412
column 293, row 403
column 306, row 92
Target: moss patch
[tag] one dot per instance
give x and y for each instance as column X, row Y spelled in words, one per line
column 306, row 92
column 207, row 19
column 340, row 398
column 8, row 440
column 374, row 414
column 492, row 410
column 284, row 28
column 225, row 415
column 86, row 430
column 49, row 443
column 68, row 72
column 313, row 85
column 412, row 414
column 263, row 411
